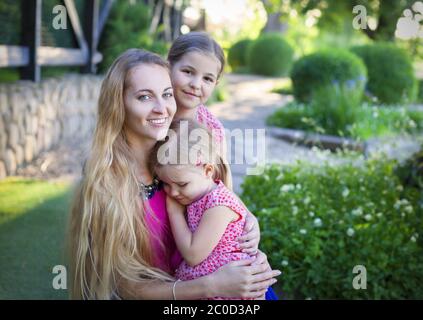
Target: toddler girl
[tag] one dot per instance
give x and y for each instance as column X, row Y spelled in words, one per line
column 190, row 168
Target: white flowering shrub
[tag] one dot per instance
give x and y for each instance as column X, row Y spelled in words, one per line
column 319, row 222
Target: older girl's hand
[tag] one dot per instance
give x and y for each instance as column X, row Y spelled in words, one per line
column 243, row 279
column 250, row 239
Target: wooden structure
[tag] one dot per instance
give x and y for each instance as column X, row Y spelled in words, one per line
column 30, row 56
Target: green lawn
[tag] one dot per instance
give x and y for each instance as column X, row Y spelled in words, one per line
column 33, row 218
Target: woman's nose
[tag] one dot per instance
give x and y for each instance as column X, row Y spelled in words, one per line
column 160, row 106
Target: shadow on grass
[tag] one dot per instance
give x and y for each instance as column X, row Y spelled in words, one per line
column 30, row 246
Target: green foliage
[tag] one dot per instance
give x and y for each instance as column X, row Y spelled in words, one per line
column 219, row 94
column 127, row 27
column 10, row 18
column 284, row 88
column 327, row 68
column 390, row 71
column 319, row 222
column 237, row 54
column 420, row 91
column 270, row 55
column 411, row 172
column 361, row 122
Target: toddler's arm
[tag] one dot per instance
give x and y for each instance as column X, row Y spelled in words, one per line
column 195, row 247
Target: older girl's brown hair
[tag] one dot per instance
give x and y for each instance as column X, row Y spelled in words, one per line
column 195, row 41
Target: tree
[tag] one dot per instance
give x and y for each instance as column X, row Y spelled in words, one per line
column 335, row 12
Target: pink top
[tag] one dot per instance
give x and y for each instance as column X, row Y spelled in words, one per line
column 206, row 118
column 166, row 257
column 227, row 248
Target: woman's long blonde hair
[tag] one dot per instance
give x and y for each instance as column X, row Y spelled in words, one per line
column 108, row 237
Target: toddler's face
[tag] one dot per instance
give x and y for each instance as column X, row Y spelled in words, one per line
column 194, row 77
column 186, row 184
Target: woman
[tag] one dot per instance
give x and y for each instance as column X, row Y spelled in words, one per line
column 121, row 245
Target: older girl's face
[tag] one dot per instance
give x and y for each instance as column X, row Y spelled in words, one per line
column 194, row 78
column 149, row 102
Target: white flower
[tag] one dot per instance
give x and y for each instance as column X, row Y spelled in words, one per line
column 368, row 217
column 379, row 214
column 298, row 186
column 413, row 239
column 408, row 209
column 307, row 200
column 287, row 187
column 341, row 222
column 280, row 176
column 345, row 193
column 284, row 263
column 303, row 231
column 318, row 222
column 294, row 210
column 400, row 188
column 350, row 232
column 357, row 212
column 397, row 204
column 266, row 177
column 311, row 214
column 412, row 124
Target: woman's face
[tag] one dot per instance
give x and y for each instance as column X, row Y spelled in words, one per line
column 149, row 102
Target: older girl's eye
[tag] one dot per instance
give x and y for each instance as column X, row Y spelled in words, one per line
column 168, row 95
column 144, row 97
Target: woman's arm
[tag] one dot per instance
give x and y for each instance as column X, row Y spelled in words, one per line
column 236, row 279
column 196, row 246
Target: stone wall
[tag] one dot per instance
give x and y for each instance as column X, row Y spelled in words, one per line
column 39, row 117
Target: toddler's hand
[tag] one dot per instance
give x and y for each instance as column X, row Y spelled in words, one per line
column 174, row 207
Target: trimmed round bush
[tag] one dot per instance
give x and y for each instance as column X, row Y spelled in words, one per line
column 270, row 55
column 237, row 55
column 390, row 73
column 323, row 68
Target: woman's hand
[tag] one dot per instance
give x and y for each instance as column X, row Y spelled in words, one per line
column 244, row 279
column 173, row 206
column 249, row 241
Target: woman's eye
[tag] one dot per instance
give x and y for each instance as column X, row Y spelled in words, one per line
column 144, row 97
column 182, row 184
column 168, row 95
column 209, row 79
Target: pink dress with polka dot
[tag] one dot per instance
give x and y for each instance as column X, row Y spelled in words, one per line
column 206, row 118
column 227, row 249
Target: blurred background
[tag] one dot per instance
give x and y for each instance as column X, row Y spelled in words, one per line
column 337, row 85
